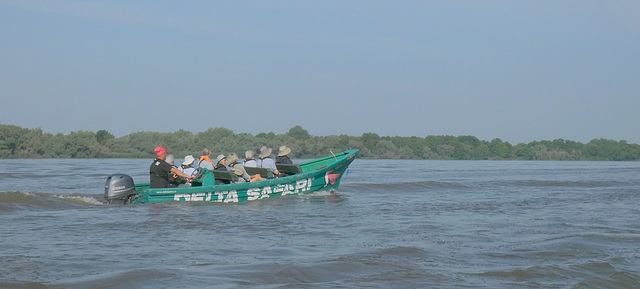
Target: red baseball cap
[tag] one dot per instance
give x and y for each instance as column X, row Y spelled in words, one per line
column 160, row 151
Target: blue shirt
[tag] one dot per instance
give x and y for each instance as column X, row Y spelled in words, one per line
column 206, row 164
column 268, row 163
column 251, row 163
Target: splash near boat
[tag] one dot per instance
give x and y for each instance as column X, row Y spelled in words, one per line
column 323, row 174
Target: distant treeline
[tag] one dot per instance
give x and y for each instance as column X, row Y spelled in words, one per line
column 18, row 142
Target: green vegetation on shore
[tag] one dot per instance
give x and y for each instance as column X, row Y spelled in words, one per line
column 18, row 142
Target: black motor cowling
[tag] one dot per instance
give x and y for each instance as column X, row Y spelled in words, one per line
column 119, row 187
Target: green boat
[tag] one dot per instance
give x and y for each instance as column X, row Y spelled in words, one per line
column 323, row 174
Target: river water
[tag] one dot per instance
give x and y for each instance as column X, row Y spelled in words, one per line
column 392, row 224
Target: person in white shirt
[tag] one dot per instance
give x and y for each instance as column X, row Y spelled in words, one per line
column 187, row 165
column 250, row 159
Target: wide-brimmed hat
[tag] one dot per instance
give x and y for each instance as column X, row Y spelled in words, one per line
column 232, row 158
column 220, row 158
column 283, row 151
column 237, row 171
column 249, row 154
column 188, row 160
column 265, row 152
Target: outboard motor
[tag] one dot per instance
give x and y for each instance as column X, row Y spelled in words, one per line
column 119, row 187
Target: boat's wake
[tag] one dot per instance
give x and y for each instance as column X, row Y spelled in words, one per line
column 321, row 197
column 321, row 193
column 43, row 200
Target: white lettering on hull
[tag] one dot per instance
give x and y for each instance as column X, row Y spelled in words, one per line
column 253, row 194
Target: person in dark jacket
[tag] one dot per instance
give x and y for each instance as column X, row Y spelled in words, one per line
column 160, row 170
column 221, row 165
column 283, row 156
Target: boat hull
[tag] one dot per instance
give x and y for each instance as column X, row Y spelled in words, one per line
column 322, row 174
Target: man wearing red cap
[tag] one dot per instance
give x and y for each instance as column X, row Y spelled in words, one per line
column 160, row 171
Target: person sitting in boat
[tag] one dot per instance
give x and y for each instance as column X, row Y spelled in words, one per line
column 283, row 158
column 160, row 171
column 205, row 159
column 265, row 160
column 174, row 179
column 283, row 155
column 236, row 167
column 170, row 159
column 250, row 159
column 187, row 165
column 221, row 165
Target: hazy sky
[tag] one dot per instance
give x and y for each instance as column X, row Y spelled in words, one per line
column 515, row 70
